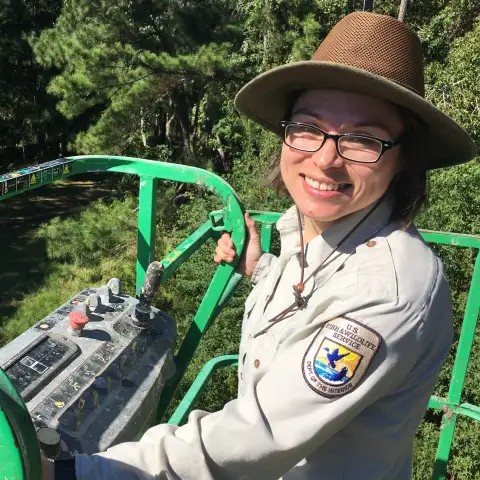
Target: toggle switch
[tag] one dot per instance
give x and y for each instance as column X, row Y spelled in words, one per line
column 100, row 384
column 115, row 371
column 105, row 295
column 93, row 303
column 82, row 307
column 78, row 408
column 115, row 285
column 114, row 375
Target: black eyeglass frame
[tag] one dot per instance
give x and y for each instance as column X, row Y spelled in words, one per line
column 386, row 144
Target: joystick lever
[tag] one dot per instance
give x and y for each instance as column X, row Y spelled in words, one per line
column 151, row 284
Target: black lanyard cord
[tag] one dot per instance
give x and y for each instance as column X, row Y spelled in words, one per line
column 300, row 300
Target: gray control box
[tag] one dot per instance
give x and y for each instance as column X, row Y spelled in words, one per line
column 98, row 384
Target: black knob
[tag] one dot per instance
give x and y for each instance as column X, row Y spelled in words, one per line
column 49, row 441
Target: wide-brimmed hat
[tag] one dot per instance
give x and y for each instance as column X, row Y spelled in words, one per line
column 365, row 53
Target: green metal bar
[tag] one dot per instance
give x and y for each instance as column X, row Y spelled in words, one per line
column 460, row 366
column 18, row 440
column 467, row 335
column 186, row 249
column 30, row 178
column 264, row 217
column 266, row 237
column 197, row 387
column 201, row 320
column 465, row 409
column 454, row 239
column 225, row 280
column 147, row 215
column 267, row 219
column 231, row 288
column 444, row 445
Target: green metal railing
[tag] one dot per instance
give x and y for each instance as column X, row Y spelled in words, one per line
column 21, row 459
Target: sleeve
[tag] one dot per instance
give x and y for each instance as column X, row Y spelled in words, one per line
column 264, row 266
column 64, row 469
column 285, row 413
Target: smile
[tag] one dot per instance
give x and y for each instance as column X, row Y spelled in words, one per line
column 323, row 185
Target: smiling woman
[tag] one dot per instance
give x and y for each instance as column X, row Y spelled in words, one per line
column 362, row 178
column 363, row 141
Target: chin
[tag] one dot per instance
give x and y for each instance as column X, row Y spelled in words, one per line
column 322, row 213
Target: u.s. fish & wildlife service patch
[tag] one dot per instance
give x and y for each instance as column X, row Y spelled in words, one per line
column 339, row 356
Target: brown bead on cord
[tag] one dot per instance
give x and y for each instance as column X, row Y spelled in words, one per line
column 299, row 287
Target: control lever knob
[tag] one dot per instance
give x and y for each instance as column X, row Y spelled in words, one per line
column 151, row 283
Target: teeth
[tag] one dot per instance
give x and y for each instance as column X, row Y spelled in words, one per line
column 323, row 186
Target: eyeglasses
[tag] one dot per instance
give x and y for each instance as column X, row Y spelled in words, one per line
column 351, row 146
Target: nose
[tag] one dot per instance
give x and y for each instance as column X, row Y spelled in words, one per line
column 328, row 156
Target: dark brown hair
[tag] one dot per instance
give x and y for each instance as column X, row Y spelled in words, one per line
column 409, row 185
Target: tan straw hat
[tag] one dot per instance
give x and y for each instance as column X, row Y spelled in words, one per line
column 366, row 53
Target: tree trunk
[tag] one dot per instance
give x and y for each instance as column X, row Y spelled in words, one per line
column 142, row 128
column 403, row 10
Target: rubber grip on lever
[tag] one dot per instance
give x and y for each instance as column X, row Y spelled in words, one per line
column 151, row 283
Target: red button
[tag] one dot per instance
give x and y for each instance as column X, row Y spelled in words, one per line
column 77, row 320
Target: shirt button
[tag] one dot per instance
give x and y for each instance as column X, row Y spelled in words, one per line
column 371, row 243
column 256, row 363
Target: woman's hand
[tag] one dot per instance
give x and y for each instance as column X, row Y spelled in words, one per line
column 225, row 251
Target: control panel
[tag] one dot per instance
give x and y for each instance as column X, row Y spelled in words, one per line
column 92, row 371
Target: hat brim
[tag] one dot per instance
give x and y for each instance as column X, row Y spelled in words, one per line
column 266, row 99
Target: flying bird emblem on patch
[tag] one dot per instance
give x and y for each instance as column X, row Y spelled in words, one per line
column 339, row 356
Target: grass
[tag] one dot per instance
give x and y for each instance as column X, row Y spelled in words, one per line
column 31, row 284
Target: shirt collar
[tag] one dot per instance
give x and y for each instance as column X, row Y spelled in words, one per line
column 323, row 244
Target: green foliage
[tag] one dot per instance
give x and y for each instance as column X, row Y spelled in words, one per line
column 102, row 230
column 142, row 69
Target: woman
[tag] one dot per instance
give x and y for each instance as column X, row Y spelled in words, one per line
column 345, row 332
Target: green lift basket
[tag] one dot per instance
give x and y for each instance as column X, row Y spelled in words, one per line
column 19, row 451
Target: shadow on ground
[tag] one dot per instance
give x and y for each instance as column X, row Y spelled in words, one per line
column 23, row 258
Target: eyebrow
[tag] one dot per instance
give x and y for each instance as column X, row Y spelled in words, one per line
column 373, row 124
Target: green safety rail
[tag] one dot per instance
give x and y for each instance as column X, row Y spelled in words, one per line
column 21, row 459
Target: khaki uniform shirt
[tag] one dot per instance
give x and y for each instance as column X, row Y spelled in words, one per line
column 334, row 391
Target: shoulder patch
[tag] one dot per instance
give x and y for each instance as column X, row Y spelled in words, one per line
column 339, row 356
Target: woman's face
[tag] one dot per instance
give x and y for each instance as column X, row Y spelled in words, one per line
column 324, row 185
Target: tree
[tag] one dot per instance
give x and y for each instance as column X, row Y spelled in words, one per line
column 28, row 118
column 150, row 74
